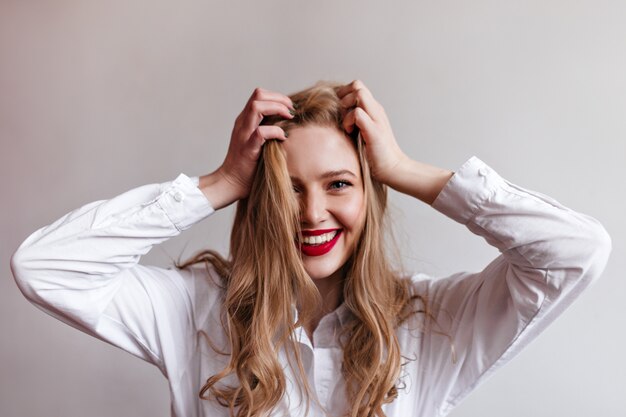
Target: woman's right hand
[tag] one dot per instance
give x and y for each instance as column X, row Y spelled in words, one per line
column 232, row 180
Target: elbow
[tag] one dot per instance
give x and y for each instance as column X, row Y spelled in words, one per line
column 587, row 253
column 598, row 250
column 20, row 267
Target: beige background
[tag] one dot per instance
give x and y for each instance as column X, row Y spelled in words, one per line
column 97, row 97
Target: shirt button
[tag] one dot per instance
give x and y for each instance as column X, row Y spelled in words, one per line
column 483, row 171
column 178, row 196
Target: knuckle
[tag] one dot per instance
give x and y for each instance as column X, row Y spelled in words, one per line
column 257, row 93
column 258, row 133
column 357, row 84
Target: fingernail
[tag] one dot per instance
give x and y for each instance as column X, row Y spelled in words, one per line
column 295, row 106
column 286, row 134
column 292, row 112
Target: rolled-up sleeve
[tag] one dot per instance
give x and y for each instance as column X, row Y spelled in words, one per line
column 83, row 268
column 549, row 255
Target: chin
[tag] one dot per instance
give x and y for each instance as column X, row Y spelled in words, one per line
column 319, row 273
column 319, row 269
column 327, row 265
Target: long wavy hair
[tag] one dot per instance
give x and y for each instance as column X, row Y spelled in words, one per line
column 264, row 278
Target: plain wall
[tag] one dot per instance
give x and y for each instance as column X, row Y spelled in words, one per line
column 99, row 97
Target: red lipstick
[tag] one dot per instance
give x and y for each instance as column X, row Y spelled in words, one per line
column 322, row 248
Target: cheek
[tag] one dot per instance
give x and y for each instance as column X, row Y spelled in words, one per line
column 352, row 213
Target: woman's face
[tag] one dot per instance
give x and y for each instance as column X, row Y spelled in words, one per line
column 326, row 175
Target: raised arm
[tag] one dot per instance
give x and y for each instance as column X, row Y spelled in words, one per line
column 549, row 255
column 83, row 268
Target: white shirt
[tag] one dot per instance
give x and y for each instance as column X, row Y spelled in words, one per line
column 83, row 269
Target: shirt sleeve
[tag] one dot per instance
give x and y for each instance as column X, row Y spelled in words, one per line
column 83, row 268
column 549, row 255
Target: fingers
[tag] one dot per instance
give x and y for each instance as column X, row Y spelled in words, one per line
column 261, row 94
column 350, row 87
column 349, row 120
column 262, row 103
column 248, row 137
column 356, row 94
column 262, row 134
column 256, row 110
column 359, row 118
column 362, row 105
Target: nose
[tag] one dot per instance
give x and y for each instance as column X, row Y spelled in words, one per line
column 313, row 209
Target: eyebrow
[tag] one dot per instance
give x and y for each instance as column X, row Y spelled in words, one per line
column 332, row 174
column 339, row 173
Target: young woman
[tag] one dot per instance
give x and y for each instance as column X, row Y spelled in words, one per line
column 307, row 315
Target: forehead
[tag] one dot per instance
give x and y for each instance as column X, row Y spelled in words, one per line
column 313, row 150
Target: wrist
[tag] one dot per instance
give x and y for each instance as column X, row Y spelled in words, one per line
column 394, row 173
column 419, row 180
column 218, row 189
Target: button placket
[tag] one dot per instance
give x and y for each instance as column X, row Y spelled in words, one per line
column 178, row 196
column 327, row 358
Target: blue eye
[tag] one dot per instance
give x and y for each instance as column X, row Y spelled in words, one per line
column 337, row 185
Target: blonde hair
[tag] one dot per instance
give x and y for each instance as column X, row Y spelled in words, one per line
column 264, row 281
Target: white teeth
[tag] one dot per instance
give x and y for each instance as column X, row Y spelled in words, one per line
column 318, row 240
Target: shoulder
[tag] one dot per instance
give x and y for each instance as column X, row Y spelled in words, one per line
column 441, row 295
column 417, row 298
column 419, row 283
column 205, row 289
column 425, row 284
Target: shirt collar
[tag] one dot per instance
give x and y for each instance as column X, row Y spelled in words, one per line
column 341, row 313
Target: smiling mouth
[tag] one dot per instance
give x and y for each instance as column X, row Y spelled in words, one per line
column 319, row 242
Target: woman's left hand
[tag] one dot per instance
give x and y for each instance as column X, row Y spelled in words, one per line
column 383, row 153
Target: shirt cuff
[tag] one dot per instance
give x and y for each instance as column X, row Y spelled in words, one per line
column 467, row 190
column 184, row 203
